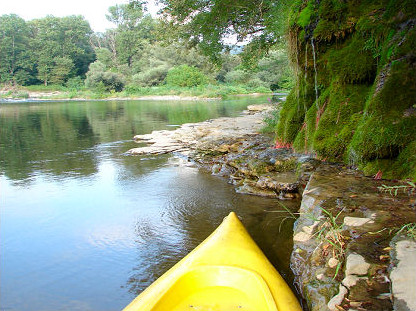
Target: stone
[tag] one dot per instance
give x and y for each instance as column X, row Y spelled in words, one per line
column 356, row 264
column 338, row 298
column 302, row 237
column 320, row 276
column 333, row 262
column 357, row 221
column 309, row 229
column 403, row 276
column 350, row 280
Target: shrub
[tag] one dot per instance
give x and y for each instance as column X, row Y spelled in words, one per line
column 237, row 77
column 110, row 80
column 152, row 76
column 185, row 76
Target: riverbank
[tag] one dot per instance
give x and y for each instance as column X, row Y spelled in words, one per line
column 207, row 92
column 354, row 238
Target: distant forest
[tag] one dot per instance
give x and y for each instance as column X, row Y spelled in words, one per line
column 141, row 51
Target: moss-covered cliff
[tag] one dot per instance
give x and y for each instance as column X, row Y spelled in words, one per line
column 355, row 96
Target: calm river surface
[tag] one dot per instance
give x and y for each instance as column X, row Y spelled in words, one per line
column 84, row 227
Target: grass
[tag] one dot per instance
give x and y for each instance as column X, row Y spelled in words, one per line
column 409, row 230
column 331, row 232
column 410, row 188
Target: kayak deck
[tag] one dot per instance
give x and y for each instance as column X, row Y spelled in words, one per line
column 217, row 288
column 227, row 271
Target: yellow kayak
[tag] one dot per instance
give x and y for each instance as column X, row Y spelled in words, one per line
column 227, row 271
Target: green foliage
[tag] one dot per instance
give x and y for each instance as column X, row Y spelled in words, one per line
column 409, row 188
column 237, row 76
column 50, row 49
column 185, row 76
column 274, row 70
column 61, row 70
column 15, row 65
column 56, row 37
column 409, row 230
column 75, row 83
column 102, row 80
column 207, row 23
column 134, row 30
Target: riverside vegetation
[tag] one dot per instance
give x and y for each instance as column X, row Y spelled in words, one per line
column 60, row 57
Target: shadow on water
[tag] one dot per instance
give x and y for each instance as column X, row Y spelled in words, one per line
column 195, row 207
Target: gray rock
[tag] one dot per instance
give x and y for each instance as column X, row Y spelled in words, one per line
column 357, row 221
column 356, row 264
column 403, row 276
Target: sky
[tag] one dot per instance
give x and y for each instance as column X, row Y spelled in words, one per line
column 93, row 11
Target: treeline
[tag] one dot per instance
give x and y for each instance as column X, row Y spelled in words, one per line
column 50, row 50
column 141, row 52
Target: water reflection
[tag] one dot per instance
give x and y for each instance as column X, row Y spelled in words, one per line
column 55, row 137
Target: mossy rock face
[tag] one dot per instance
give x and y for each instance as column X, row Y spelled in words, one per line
column 389, row 125
column 365, row 60
column 352, row 64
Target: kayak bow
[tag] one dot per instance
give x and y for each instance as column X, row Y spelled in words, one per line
column 227, row 271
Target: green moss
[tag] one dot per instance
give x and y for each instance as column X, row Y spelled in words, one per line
column 404, row 166
column 334, row 21
column 390, row 121
column 365, row 58
column 352, row 63
column 286, row 165
column 305, row 15
column 337, row 124
column 290, row 119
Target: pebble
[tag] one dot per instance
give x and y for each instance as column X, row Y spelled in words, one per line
column 333, row 262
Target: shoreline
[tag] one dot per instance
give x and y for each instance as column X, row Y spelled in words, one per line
column 32, row 96
column 350, row 248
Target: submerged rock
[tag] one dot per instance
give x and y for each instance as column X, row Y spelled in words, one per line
column 233, row 148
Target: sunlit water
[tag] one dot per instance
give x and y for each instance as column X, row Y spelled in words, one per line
column 84, row 227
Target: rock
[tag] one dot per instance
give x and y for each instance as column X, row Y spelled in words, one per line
column 356, row 264
column 259, row 108
column 198, row 135
column 403, row 276
column 309, row 229
column 302, row 237
column 320, row 276
column 337, row 299
column 357, row 221
column 333, row 262
column 350, row 280
column 249, row 189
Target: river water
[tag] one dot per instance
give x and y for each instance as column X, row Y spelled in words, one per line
column 84, row 227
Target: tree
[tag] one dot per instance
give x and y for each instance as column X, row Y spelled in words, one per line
column 61, row 70
column 15, row 65
column 134, row 29
column 208, row 23
column 55, row 39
